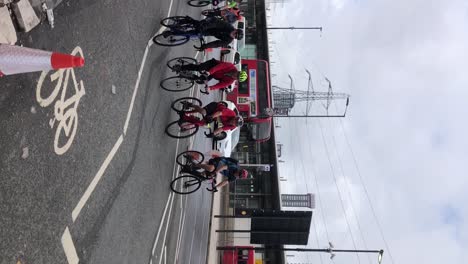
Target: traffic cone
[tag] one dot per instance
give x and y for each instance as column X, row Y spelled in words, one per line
column 15, row 59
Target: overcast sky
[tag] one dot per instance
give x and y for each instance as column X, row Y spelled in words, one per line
column 405, row 65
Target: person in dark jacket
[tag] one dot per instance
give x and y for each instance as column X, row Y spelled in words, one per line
column 220, row 29
column 211, row 26
column 225, row 72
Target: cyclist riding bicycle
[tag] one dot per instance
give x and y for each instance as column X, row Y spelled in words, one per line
column 233, row 3
column 228, row 167
column 229, row 14
column 211, row 26
column 214, row 110
column 225, row 72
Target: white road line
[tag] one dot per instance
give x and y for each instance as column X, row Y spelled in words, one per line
column 69, row 248
column 137, row 85
column 96, row 179
column 203, row 226
column 193, row 234
column 160, row 227
column 167, row 225
column 165, row 254
column 180, row 234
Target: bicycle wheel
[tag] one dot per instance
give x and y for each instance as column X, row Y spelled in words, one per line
column 181, row 61
column 176, row 84
column 178, row 105
column 175, row 21
column 187, row 184
column 184, row 130
column 198, row 3
column 190, row 157
column 170, row 41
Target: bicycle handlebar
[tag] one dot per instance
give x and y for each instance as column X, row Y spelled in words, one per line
column 204, row 90
column 209, row 135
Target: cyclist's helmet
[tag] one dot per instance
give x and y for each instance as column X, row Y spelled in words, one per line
column 236, row 11
column 242, row 76
column 239, row 34
column 243, row 174
column 239, row 121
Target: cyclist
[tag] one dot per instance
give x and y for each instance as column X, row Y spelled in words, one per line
column 218, row 28
column 225, row 72
column 229, row 14
column 228, row 167
column 233, row 3
column 211, row 111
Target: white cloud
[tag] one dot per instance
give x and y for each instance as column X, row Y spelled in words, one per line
column 404, row 64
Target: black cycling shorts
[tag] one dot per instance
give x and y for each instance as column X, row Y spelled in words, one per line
column 211, row 108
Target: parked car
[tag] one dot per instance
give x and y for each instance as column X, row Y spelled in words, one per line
column 240, row 24
column 226, row 145
column 239, row 44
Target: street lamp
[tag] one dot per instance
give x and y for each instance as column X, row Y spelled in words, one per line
column 326, row 250
column 380, row 256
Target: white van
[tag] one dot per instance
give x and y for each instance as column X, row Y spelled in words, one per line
column 240, row 24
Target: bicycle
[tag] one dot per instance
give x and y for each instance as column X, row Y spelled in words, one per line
column 190, row 178
column 180, row 31
column 201, row 3
column 183, row 127
column 185, row 79
column 224, row 14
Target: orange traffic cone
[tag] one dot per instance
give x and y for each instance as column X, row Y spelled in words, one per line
column 15, row 59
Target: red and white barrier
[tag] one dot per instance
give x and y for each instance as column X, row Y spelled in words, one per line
column 15, row 59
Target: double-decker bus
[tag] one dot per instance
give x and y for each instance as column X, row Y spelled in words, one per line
column 252, row 99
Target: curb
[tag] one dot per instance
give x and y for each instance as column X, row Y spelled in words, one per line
column 23, row 16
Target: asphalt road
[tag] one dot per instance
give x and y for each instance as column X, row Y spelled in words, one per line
column 102, row 195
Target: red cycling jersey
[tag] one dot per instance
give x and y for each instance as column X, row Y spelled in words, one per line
column 225, row 72
column 228, row 118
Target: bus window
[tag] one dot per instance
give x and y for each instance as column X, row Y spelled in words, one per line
column 244, row 86
column 260, row 131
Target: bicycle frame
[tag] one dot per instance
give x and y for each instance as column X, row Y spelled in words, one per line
column 180, row 31
column 194, row 77
column 202, row 178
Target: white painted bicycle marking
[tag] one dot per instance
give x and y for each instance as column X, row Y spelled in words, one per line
column 65, row 108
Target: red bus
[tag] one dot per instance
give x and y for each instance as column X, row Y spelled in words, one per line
column 239, row 256
column 252, row 99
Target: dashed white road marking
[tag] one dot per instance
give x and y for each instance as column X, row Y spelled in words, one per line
column 96, row 179
column 167, row 226
column 193, row 234
column 180, row 230
column 160, row 227
column 137, row 85
column 203, row 226
column 69, row 248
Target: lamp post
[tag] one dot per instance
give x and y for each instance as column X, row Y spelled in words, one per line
column 292, row 28
column 329, row 250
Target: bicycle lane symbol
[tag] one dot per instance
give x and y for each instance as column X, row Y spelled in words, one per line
column 65, row 108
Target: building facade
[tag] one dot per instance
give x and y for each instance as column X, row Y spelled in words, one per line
column 298, row 200
column 261, row 189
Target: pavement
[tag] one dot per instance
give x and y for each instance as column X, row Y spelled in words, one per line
column 85, row 164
